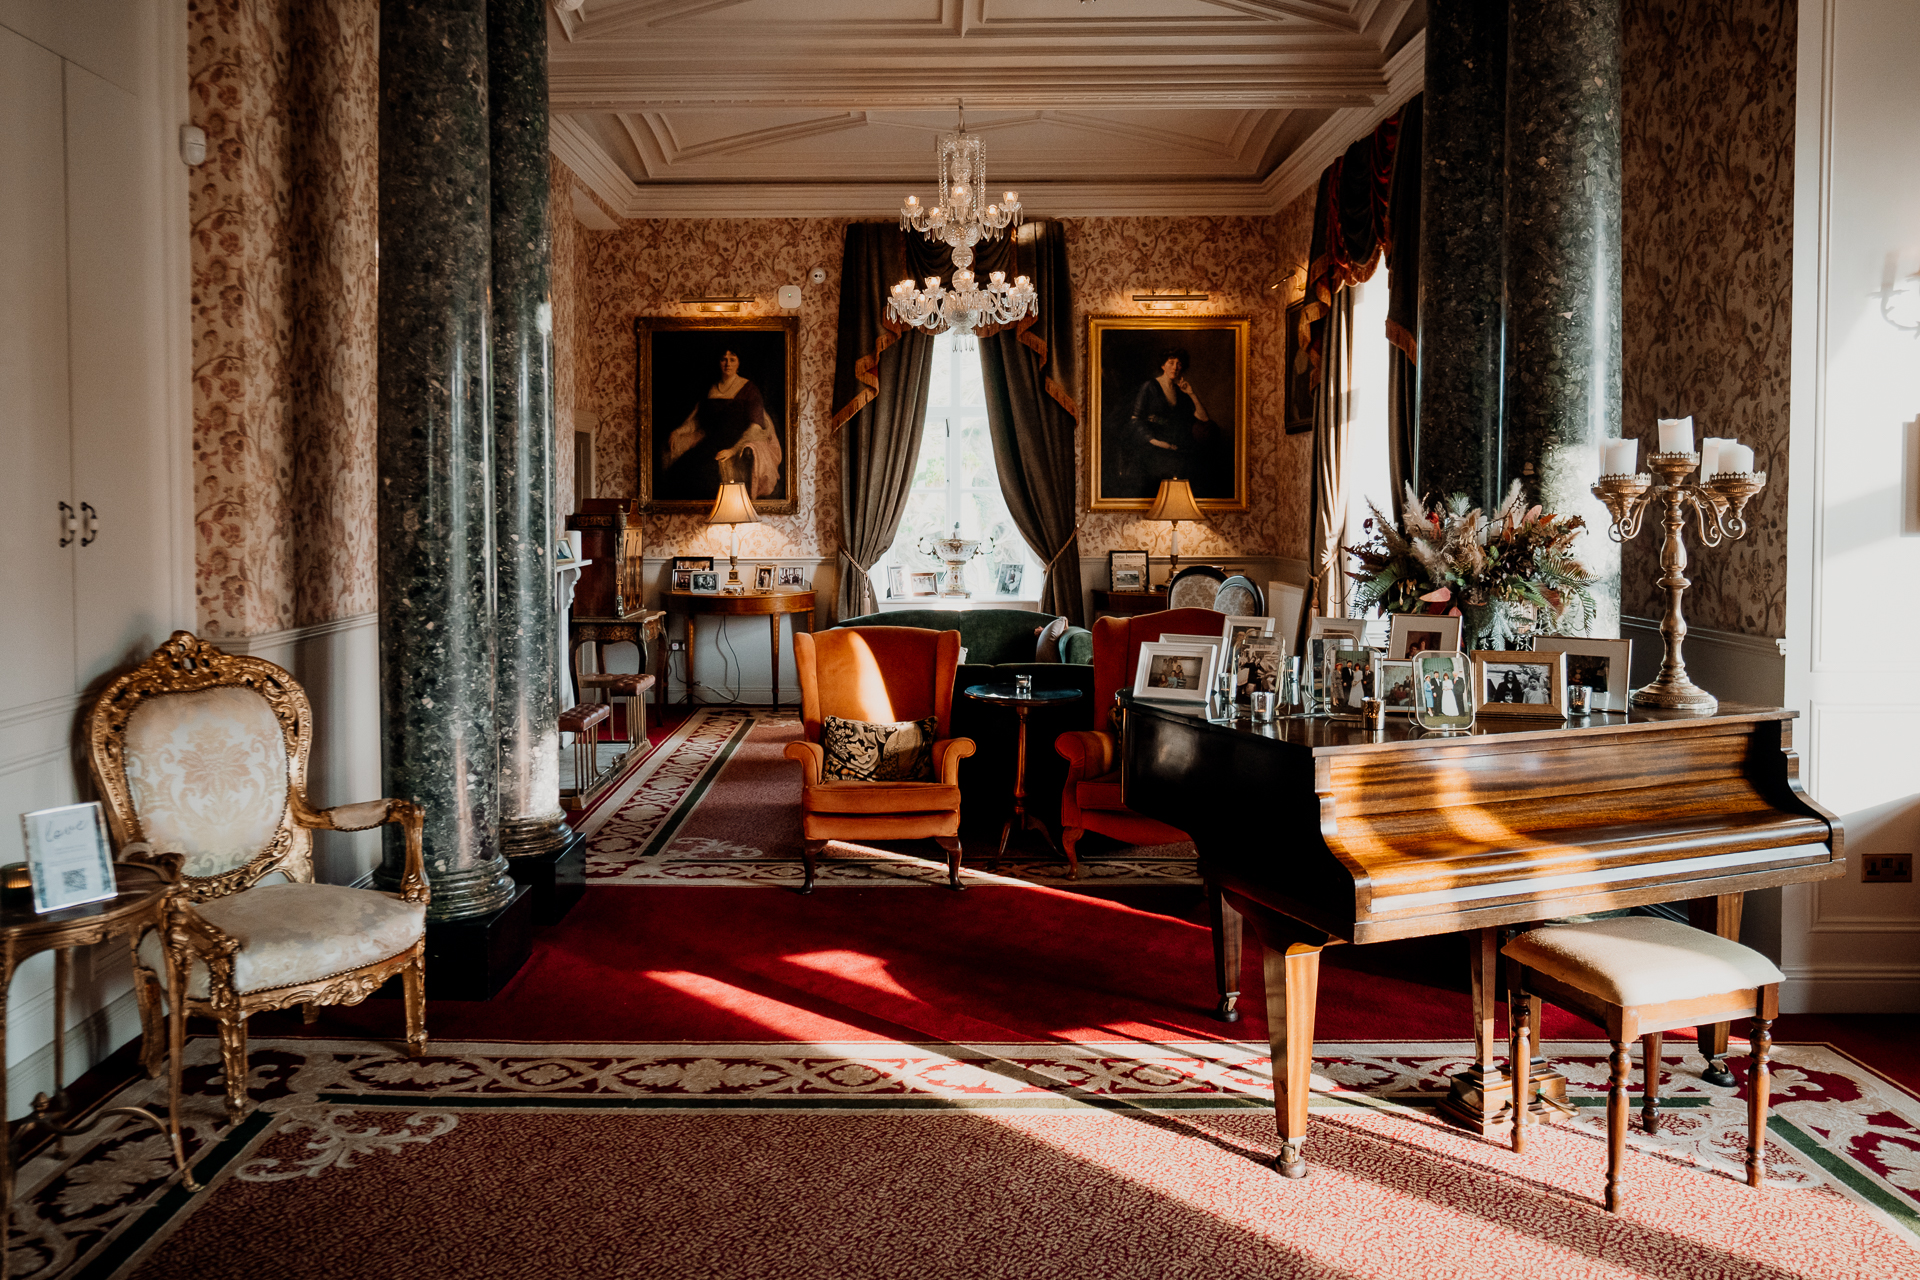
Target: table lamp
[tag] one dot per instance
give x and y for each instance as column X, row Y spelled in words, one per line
column 733, row 508
column 1175, row 502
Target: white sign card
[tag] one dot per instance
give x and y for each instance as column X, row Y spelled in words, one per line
column 67, row 856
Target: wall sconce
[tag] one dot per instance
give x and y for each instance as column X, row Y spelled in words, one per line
column 1296, row 272
column 717, row 305
column 1169, row 301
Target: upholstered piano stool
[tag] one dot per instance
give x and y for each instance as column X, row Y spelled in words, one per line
column 1641, row 976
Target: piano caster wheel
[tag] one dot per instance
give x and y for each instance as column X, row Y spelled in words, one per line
column 1717, row 1073
column 1226, row 1012
column 1290, row 1162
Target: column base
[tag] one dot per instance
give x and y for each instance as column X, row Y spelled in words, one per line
column 472, row 959
column 557, row 877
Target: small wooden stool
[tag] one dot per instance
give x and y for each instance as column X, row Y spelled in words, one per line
column 631, row 689
column 583, row 721
column 1641, row 976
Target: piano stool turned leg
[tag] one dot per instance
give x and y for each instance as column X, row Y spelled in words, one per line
column 1651, row 1046
column 1293, row 986
column 1520, row 1008
column 1226, row 953
column 1622, row 1062
column 1718, row 915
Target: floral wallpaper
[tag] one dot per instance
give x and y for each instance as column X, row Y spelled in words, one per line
column 641, row 268
column 282, row 217
column 1707, row 230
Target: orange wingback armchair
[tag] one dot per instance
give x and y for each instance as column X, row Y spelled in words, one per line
column 1090, row 800
column 879, row 674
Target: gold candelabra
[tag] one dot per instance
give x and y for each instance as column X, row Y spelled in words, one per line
column 1719, row 506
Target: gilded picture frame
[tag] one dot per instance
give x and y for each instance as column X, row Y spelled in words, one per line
column 1196, row 432
column 689, row 440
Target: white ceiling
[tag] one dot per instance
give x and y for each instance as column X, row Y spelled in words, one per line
column 748, row 108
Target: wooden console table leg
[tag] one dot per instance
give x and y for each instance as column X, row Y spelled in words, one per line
column 773, row 619
column 691, row 699
column 1718, row 915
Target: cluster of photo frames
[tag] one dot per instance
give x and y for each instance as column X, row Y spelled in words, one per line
column 1422, row 674
column 697, row 575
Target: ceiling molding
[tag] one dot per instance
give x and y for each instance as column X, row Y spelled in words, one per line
column 1300, row 171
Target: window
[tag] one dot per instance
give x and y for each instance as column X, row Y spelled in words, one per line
column 1365, row 464
column 955, row 482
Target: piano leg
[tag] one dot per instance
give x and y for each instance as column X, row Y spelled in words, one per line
column 1226, row 953
column 1293, row 985
column 1480, row 1099
column 1719, row 915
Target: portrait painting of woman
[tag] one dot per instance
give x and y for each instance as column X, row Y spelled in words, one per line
column 1169, row 403
column 716, row 405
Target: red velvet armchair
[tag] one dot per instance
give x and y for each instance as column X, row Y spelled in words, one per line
column 879, row 674
column 1091, row 798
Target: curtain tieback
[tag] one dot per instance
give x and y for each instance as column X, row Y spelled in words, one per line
column 1062, row 551
column 850, row 560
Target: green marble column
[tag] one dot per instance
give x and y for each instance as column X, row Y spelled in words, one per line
column 526, row 698
column 1563, row 264
column 1462, row 258
column 436, row 505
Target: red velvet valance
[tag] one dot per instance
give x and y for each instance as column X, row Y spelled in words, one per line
column 1355, row 221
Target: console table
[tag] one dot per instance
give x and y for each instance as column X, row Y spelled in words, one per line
column 770, row 606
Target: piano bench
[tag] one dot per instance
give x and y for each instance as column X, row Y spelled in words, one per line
column 1640, row 977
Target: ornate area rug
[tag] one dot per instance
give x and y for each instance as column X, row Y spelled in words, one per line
column 718, row 804
column 874, row 1159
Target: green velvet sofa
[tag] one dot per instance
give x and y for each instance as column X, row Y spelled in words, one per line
column 1000, row 645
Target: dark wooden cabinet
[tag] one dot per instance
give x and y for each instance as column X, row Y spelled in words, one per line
column 611, row 586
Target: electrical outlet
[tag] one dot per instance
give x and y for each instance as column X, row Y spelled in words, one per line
column 1887, row 868
column 676, row 646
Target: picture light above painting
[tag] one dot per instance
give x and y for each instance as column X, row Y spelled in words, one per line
column 716, row 403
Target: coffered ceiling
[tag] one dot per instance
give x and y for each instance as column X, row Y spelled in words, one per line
column 755, row 108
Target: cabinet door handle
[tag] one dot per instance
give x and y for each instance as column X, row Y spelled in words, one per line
column 89, row 523
column 69, row 526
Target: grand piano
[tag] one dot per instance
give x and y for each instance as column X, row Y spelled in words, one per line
column 1341, row 833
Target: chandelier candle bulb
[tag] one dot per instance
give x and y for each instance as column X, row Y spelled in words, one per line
column 1619, row 457
column 1710, row 456
column 1737, row 458
column 1676, row 435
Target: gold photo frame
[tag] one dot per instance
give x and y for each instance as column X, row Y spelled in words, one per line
column 690, row 440
column 1140, row 433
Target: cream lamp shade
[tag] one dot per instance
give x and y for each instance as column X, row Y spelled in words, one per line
column 1175, row 502
column 733, row 508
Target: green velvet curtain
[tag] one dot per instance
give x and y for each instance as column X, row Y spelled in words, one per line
column 1030, row 375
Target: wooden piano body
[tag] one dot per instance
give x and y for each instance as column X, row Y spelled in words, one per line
column 1321, row 831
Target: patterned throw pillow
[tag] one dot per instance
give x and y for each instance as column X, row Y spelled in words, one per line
column 861, row 752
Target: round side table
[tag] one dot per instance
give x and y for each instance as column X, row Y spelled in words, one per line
column 144, row 901
column 1007, row 695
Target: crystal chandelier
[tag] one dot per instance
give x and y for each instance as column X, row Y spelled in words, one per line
column 959, row 222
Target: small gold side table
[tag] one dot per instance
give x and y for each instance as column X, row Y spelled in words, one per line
column 147, row 899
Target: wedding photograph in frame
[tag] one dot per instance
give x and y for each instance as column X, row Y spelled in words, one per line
column 1442, row 692
column 1414, row 633
column 1167, row 400
column 1393, row 680
column 1259, row 669
column 1601, row 665
column 1508, row 682
column 715, row 401
column 1350, row 678
column 1174, row 672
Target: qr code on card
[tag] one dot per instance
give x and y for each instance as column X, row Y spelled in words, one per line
column 73, row 881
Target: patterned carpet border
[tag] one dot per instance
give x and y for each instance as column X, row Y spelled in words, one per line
column 652, row 838
column 98, row 1210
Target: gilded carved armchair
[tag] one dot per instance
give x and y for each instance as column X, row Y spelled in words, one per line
column 204, row 754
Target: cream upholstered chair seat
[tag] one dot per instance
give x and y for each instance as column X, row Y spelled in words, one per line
column 1640, row 977
column 201, row 759
column 298, row 934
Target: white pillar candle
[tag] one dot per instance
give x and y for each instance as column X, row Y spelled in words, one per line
column 1736, row 457
column 1619, row 457
column 1710, row 456
column 1676, row 435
